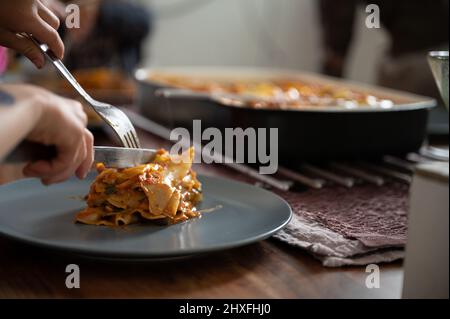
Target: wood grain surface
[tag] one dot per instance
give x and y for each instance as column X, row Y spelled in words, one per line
column 269, row 269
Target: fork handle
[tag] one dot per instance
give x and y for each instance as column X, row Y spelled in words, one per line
column 61, row 69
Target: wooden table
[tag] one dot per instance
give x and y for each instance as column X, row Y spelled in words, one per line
column 268, row 269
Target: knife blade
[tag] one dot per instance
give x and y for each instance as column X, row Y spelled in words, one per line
column 119, row 157
column 122, row 157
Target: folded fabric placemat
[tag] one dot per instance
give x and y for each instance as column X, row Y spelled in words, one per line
column 331, row 248
column 357, row 226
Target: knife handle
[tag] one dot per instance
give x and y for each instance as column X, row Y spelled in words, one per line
column 31, row 152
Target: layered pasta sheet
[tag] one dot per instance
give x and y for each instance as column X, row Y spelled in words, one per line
column 165, row 190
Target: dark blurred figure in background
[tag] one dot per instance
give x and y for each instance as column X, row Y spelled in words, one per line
column 111, row 34
column 414, row 26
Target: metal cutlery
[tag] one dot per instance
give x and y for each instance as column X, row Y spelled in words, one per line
column 118, row 157
column 114, row 117
column 122, row 157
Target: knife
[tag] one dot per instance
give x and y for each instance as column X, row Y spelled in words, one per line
column 122, row 157
column 119, row 157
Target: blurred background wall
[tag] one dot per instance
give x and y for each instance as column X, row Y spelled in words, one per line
column 270, row 33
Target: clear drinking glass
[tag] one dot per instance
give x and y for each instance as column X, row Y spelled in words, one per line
column 438, row 61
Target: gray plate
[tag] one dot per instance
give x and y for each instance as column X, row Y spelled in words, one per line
column 44, row 216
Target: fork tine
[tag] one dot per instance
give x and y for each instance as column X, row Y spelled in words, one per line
column 134, row 142
column 130, row 140
column 128, row 143
column 134, row 139
column 121, row 137
column 125, row 142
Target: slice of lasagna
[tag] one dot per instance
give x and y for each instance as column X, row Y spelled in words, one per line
column 165, row 190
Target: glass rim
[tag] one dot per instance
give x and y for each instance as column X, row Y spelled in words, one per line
column 438, row 54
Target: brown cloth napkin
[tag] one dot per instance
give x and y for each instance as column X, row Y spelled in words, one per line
column 358, row 226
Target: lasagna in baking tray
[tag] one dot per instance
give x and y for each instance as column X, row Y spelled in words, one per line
column 278, row 93
column 165, row 190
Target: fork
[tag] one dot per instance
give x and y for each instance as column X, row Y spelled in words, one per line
column 115, row 118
